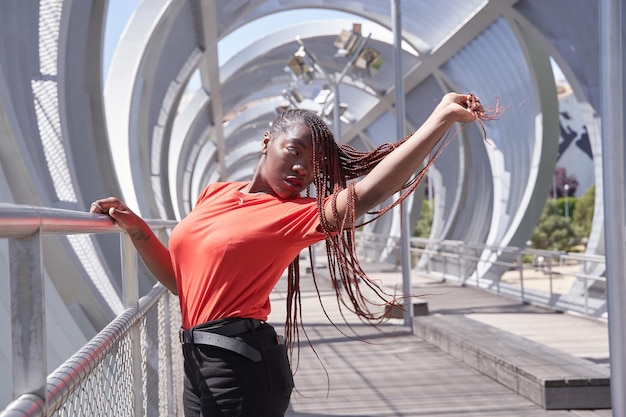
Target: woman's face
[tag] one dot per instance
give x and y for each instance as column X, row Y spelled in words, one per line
column 287, row 165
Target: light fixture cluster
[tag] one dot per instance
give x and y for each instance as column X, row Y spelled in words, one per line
column 347, row 44
column 302, row 66
column 306, row 69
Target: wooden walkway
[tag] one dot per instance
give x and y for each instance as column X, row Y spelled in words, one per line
column 387, row 371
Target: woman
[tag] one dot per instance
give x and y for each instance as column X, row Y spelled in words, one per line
column 226, row 256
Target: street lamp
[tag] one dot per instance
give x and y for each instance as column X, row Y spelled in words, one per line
column 369, row 59
column 300, row 64
column 304, row 64
column 566, row 189
column 347, row 42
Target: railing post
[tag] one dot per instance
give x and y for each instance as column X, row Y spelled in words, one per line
column 477, row 262
column 168, row 342
column 130, row 289
column 550, row 276
column 586, row 297
column 130, row 272
column 586, row 284
column 28, row 321
column 167, row 348
column 460, row 252
column 520, row 261
column 444, row 259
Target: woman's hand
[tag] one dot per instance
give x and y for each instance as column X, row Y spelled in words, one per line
column 125, row 218
column 397, row 167
column 463, row 108
column 154, row 254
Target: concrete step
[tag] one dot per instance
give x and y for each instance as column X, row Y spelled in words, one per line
column 552, row 379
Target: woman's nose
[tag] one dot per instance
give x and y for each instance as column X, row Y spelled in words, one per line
column 300, row 169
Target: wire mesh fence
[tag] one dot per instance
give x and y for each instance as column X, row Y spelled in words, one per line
column 133, row 367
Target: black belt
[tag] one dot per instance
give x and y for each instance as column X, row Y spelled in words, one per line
column 228, row 327
column 218, row 333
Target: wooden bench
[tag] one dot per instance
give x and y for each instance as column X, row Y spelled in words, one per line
column 550, row 378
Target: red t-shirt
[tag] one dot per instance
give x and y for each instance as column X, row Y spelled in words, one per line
column 231, row 250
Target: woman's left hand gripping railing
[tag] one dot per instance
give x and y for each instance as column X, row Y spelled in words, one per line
column 24, row 226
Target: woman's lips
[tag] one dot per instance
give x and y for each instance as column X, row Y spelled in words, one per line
column 294, row 183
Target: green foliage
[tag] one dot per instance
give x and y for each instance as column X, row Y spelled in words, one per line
column 425, row 221
column 553, row 232
column 582, row 217
column 571, row 205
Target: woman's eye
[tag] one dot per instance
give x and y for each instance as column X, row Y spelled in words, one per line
column 293, row 151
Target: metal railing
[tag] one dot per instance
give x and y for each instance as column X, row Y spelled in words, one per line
column 564, row 281
column 131, row 368
column 128, row 369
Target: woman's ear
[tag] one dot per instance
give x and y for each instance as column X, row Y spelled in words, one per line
column 266, row 140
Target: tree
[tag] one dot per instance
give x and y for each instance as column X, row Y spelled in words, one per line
column 582, row 217
column 553, row 232
column 561, row 202
column 425, row 221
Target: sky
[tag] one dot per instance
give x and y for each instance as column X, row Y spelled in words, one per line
column 118, row 14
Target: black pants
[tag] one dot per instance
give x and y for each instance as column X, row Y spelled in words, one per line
column 221, row 383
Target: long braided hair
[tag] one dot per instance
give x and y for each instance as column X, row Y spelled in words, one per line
column 336, row 165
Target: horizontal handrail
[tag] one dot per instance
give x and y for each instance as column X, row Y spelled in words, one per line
column 22, row 220
column 457, row 260
column 23, row 226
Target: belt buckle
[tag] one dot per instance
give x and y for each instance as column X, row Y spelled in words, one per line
column 181, row 336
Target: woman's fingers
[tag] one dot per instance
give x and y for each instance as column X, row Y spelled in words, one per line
column 98, row 208
column 473, row 103
column 95, row 207
column 105, row 205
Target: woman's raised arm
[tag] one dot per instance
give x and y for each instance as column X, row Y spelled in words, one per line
column 397, row 167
